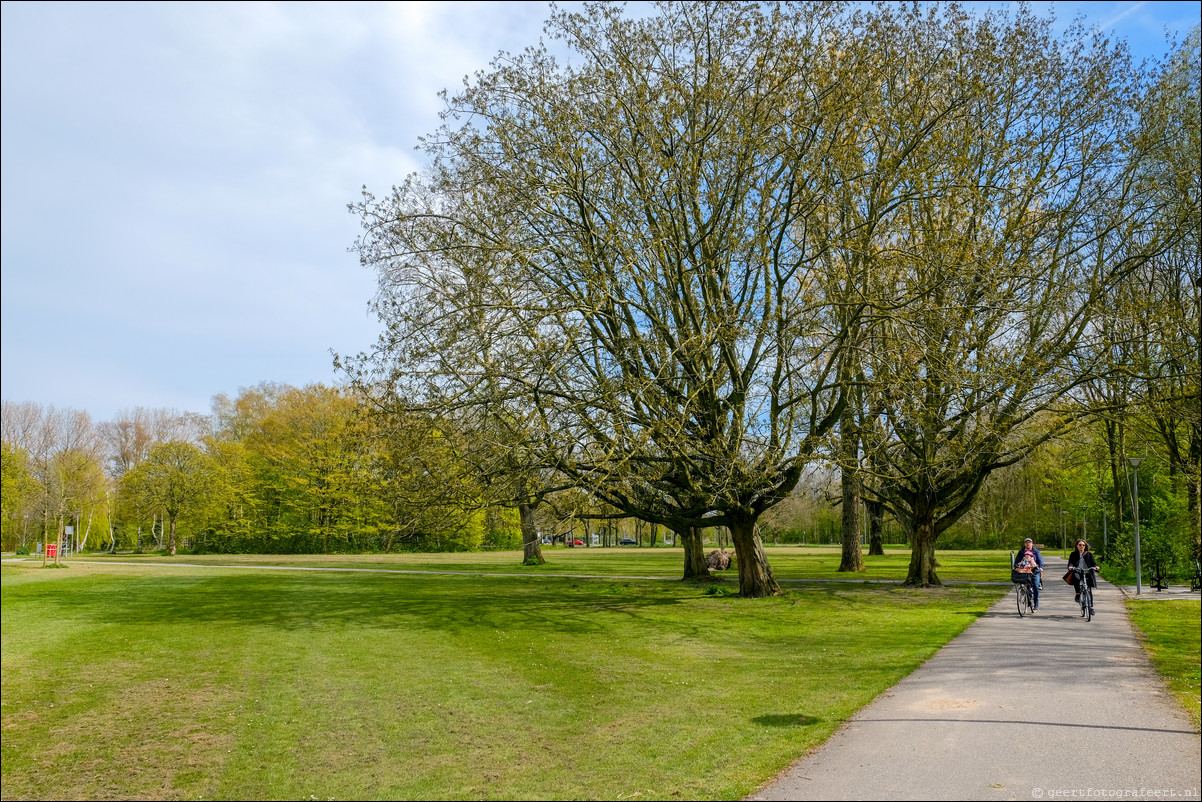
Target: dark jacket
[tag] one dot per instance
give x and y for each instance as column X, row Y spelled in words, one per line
column 1076, row 558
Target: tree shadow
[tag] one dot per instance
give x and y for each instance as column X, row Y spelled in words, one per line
column 316, row 600
column 786, row 720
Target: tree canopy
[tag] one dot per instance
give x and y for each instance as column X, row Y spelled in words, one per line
column 675, row 257
column 618, row 252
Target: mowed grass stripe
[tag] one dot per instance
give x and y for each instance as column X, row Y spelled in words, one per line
column 169, row 683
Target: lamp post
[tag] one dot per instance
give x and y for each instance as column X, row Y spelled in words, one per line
column 1083, row 524
column 1134, row 463
column 1063, row 532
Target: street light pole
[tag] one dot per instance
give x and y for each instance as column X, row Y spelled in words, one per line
column 1134, row 463
column 1083, row 524
column 1063, row 532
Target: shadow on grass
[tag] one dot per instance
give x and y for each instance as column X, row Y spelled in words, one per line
column 318, row 601
column 474, row 606
column 786, row 720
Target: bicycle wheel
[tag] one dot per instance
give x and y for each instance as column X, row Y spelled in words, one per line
column 1020, row 591
column 1086, row 603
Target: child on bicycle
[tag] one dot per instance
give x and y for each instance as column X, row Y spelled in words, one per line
column 1030, row 561
column 1082, row 558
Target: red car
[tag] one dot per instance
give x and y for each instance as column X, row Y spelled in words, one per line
column 577, row 542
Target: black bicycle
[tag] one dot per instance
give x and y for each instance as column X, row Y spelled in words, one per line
column 1024, row 589
column 1086, row 591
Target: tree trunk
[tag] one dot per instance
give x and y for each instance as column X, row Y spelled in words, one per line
column 83, row 539
column 922, row 553
column 171, row 537
column 849, row 459
column 876, row 522
column 755, row 575
column 1194, row 488
column 694, row 553
column 532, row 551
column 1116, row 474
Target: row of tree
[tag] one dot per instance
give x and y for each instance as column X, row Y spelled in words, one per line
column 726, row 241
column 277, row 469
column 126, row 482
column 59, row 468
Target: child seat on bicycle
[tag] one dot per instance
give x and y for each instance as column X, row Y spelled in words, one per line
column 1030, row 561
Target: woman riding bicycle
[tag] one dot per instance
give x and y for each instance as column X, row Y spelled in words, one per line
column 1030, row 561
column 1082, row 558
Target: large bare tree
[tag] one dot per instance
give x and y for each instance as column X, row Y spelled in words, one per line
column 617, row 252
column 1023, row 199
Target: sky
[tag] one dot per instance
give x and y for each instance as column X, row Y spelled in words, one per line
column 175, row 180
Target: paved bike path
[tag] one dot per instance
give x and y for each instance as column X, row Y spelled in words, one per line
column 1042, row 707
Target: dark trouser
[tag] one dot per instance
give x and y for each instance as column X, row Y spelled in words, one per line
column 1093, row 583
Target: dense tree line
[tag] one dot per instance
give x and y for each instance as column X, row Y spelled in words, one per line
column 276, row 469
column 242, row 485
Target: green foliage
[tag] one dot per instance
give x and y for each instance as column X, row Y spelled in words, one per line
column 52, row 475
column 504, row 529
column 176, row 480
column 317, row 470
column 463, row 531
column 17, row 488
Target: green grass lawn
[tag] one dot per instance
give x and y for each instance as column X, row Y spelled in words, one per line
column 177, row 682
column 789, row 563
column 1172, row 634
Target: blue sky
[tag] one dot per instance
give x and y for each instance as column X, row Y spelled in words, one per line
column 175, row 180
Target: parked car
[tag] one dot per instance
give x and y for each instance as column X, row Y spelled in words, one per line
column 628, row 541
column 577, row 542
